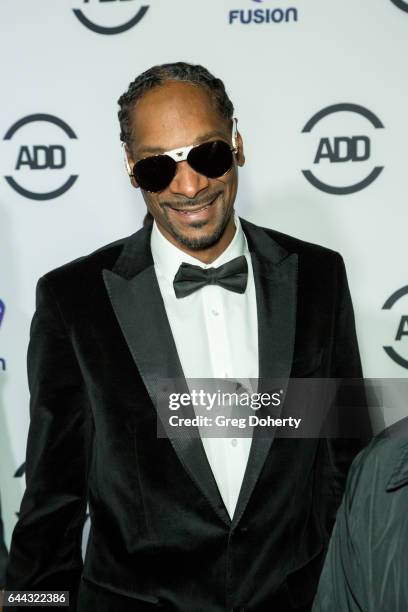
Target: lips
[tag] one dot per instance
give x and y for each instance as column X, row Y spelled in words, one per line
column 193, row 211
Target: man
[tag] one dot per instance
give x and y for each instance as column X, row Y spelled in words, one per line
column 366, row 567
column 184, row 525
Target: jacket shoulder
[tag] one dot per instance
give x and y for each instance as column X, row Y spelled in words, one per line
column 292, row 244
column 384, row 461
column 82, row 270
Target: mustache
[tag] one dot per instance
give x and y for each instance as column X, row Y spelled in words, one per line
column 187, row 203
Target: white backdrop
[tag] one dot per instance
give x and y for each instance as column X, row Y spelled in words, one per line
column 289, row 61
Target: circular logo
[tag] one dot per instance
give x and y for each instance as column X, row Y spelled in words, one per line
column 39, row 164
column 402, row 330
column 401, row 4
column 99, row 12
column 2, row 311
column 342, row 157
column 20, row 471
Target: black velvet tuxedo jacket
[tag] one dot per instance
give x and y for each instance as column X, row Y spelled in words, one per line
column 161, row 538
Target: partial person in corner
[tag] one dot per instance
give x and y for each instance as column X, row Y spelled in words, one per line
column 366, row 568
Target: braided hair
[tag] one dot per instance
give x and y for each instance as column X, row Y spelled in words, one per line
column 158, row 75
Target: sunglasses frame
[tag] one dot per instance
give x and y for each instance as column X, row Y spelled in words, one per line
column 181, row 153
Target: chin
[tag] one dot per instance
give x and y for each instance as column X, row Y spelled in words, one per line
column 198, row 240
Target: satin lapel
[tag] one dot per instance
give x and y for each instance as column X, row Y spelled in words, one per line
column 138, row 305
column 275, row 275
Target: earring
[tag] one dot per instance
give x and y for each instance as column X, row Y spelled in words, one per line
column 125, row 158
column 234, row 134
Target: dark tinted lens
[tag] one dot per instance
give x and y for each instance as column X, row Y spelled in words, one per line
column 213, row 159
column 154, row 173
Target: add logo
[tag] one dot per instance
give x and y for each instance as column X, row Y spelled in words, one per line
column 402, row 330
column 20, row 471
column 401, row 4
column 32, row 157
column 2, row 311
column 342, row 150
column 100, row 13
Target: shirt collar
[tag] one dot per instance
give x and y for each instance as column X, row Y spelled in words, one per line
column 167, row 257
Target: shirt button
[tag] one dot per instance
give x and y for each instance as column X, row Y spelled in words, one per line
column 215, row 312
column 234, row 441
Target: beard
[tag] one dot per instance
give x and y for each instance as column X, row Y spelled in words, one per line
column 203, row 241
column 200, row 242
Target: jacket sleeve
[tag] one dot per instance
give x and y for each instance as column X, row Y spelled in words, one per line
column 350, row 428
column 45, row 552
column 345, row 355
column 340, row 586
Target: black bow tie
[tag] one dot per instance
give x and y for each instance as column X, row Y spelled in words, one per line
column 232, row 276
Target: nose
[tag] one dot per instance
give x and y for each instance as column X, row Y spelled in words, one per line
column 187, row 182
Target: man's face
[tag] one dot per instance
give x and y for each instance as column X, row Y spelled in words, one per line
column 194, row 212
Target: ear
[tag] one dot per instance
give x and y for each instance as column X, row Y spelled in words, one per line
column 240, row 153
column 129, row 163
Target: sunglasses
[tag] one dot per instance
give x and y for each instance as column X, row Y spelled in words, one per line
column 212, row 159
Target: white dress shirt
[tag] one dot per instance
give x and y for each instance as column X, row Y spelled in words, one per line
column 216, row 335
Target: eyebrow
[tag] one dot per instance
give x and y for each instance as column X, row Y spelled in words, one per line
column 203, row 138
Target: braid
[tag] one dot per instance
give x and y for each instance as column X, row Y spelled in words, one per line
column 157, row 75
